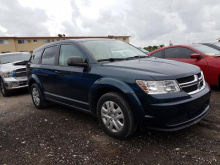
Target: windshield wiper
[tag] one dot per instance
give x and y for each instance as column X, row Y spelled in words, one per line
column 136, row 57
column 119, row 59
column 111, row 59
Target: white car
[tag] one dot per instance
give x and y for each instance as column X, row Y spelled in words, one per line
column 13, row 73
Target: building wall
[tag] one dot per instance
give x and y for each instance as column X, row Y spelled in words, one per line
column 8, row 47
column 28, row 44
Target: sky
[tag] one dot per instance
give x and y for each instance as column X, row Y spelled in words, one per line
column 148, row 22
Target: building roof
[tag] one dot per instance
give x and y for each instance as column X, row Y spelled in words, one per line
column 67, row 37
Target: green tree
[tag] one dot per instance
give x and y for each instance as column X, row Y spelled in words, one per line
column 152, row 48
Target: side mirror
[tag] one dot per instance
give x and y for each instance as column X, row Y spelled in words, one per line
column 195, row 55
column 77, row 61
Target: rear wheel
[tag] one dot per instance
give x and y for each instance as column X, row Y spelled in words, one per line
column 115, row 116
column 4, row 91
column 37, row 97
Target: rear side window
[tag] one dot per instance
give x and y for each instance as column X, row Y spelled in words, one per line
column 67, row 51
column 49, row 55
column 36, row 57
column 178, row 52
column 157, row 54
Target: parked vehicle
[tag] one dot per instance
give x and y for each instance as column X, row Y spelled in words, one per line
column 213, row 45
column 13, row 73
column 207, row 58
column 123, row 93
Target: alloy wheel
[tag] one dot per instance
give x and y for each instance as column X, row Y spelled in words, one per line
column 36, row 96
column 112, row 116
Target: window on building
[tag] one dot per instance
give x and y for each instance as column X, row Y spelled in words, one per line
column 124, row 39
column 116, row 38
column 35, row 40
column 47, row 41
column 21, row 42
column 3, row 41
column 58, row 39
column 178, row 52
column 67, row 51
column 49, row 55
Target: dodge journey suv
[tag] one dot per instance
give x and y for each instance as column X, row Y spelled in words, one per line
column 123, row 91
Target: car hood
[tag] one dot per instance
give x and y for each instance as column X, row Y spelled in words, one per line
column 155, row 67
column 12, row 66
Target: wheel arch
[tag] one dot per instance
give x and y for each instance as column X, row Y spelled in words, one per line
column 34, row 79
column 106, row 85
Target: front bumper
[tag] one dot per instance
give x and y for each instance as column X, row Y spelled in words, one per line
column 171, row 113
column 15, row 83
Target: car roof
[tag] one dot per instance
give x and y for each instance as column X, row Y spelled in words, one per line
column 73, row 41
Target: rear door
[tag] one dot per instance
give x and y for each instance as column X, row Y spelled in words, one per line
column 183, row 54
column 46, row 72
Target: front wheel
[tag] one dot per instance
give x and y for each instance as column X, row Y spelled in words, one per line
column 37, row 97
column 4, row 91
column 115, row 116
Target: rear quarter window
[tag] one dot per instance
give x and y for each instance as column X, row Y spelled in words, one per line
column 36, row 57
column 49, row 55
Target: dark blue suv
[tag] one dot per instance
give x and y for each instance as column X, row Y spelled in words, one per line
column 119, row 84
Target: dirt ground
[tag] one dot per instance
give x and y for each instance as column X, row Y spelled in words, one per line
column 59, row 135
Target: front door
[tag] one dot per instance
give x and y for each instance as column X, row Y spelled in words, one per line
column 183, row 54
column 72, row 83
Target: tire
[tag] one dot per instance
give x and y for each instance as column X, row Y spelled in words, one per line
column 4, row 91
column 37, row 97
column 115, row 116
column 219, row 81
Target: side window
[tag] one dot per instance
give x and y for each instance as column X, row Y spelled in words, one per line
column 157, row 54
column 67, row 51
column 178, row 52
column 36, row 57
column 49, row 55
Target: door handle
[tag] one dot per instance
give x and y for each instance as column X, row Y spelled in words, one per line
column 58, row 72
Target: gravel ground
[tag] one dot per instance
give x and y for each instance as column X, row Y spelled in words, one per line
column 59, row 135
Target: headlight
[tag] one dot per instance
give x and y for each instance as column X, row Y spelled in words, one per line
column 7, row 74
column 158, row 87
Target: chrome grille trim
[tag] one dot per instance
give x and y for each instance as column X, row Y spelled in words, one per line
column 20, row 73
column 197, row 81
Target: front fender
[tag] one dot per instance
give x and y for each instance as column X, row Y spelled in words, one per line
column 110, row 84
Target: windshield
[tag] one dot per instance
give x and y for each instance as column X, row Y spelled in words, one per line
column 13, row 57
column 206, row 49
column 111, row 50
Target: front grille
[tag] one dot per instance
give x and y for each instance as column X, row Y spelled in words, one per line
column 21, row 70
column 190, row 88
column 192, row 84
column 199, row 75
column 21, row 73
column 185, row 79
